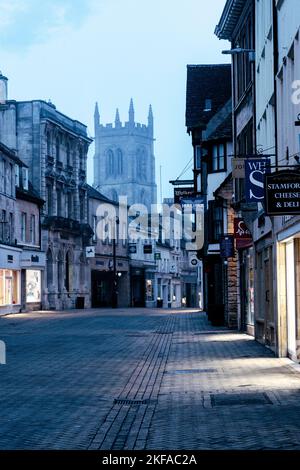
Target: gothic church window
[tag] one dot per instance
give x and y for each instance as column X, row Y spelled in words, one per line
column 142, row 197
column 142, row 164
column 119, row 162
column 110, row 163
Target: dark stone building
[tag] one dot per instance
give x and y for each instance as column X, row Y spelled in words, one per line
column 54, row 147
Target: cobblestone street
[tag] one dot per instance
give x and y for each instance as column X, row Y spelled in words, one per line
column 142, row 379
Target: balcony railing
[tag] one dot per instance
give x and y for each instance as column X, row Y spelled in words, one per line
column 67, row 225
column 53, row 222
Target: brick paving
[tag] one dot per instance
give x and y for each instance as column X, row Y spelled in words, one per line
column 141, row 379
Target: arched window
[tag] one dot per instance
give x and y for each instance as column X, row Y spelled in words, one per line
column 70, row 205
column 82, row 270
column 49, row 268
column 57, row 148
column 49, row 144
column 82, row 205
column 142, row 197
column 119, row 162
column 59, row 201
column 49, row 200
column 60, row 271
column 110, row 163
column 80, row 158
column 67, row 271
column 142, row 164
column 68, row 152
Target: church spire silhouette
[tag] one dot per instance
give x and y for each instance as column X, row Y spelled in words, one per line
column 117, row 119
column 131, row 112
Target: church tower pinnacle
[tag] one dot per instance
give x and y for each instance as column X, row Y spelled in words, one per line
column 117, row 119
column 96, row 116
column 124, row 161
column 150, row 120
column 131, row 112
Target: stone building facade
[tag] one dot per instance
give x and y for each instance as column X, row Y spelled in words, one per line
column 101, row 264
column 124, row 162
column 22, row 262
column 54, row 147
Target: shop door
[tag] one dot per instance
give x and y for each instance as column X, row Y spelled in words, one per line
column 290, row 299
column 138, row 291
column 101, row 289
column 268, row 298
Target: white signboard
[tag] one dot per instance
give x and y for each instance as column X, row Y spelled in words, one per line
column 90, row 252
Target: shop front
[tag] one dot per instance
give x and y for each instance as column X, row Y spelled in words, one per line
column 151, row 289
column 102, row 282
column 10, row 280
column 246, row 258
column 189, row 291
column 176, row 292
column 138, row 287
column 32, row 277
column 288, row 292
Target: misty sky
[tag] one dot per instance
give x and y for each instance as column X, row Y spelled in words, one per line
column 76, row 52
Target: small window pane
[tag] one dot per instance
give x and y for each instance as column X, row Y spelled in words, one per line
column 198, row 157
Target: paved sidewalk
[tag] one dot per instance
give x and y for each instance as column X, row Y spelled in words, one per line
column 135, row 379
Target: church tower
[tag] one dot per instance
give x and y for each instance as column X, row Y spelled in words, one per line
column 124, row 162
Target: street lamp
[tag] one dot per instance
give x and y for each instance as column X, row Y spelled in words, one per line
column 240, row 50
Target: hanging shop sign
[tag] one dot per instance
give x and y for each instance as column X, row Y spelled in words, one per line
column 180, row 193
column 227, row 246
column 192, row 202
column 148, row 249
column 282, row 193
column 255, row 170
column 132, row 248
column 242, row 234
column 238, row 167
column 240, row 229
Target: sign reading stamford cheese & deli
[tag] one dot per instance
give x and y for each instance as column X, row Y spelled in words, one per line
column 282, row 193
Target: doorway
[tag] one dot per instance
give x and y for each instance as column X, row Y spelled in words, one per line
column 290, row 299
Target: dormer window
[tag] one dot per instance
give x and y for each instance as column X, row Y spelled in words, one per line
column 208, row 105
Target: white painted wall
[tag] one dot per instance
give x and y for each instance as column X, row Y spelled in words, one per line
column 265, row 110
